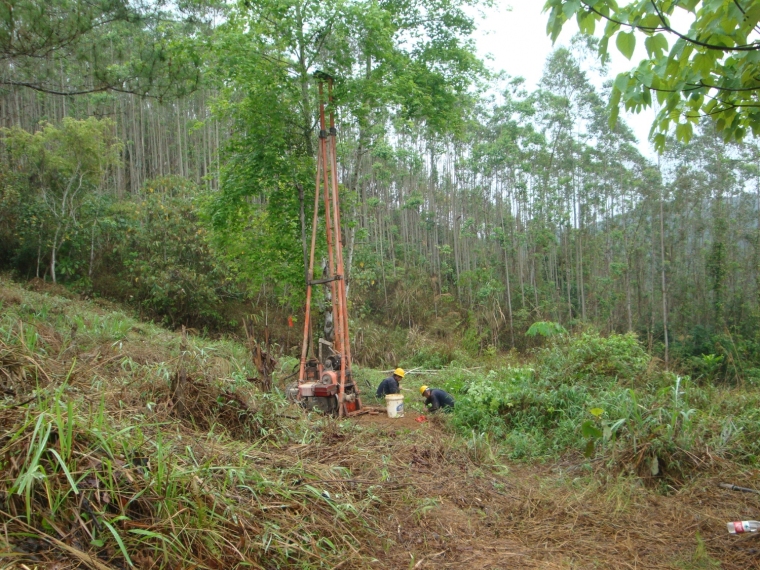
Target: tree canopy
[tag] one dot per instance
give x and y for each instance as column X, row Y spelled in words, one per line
column 708, row 67
column 473, row 204
column 71, row 47
column 414, row 63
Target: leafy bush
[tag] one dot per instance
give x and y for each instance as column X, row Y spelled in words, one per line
column 431, row 357
column 713, row 356
column 546, row 329
column 596, row 395
column 590, row 357
column 160, row 258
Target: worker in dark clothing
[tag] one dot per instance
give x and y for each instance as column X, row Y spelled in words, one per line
column 436, row 399
column 391, row 384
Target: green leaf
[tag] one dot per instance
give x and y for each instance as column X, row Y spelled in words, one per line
column 571, row 7
column 545, row 329
column 614, row 427
column 703, row 63
column 656, row 45
column 596, row 412
column 588, row 429
column 150, row 534
column 62, row 463
column 589, row 451
column 650, row 21
column 586, row 22
column 684, row 132
column 118, row 541
column 621, row 82
column 626, row 43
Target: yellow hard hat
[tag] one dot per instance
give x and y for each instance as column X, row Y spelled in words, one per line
column 399, row 372
column 422, row 389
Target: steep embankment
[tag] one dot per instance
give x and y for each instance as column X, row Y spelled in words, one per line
column 126, row 445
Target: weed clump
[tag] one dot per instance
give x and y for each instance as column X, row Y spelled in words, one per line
column 203, row 405
column 592, row 358
column 19, row 373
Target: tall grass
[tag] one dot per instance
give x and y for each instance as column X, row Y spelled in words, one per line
column 97, row 462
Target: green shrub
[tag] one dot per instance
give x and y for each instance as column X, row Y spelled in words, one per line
column 590, row 357
column 596, row 395
column 160, row 258
column 431, row 358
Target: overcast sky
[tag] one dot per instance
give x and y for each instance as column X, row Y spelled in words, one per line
column 516, row 41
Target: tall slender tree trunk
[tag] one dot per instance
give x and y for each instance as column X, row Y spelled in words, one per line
column 662, row 273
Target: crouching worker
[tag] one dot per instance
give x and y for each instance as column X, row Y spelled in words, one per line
column 391, row 384
column 436, row 399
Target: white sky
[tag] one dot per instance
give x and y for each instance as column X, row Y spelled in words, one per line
column 516, row 41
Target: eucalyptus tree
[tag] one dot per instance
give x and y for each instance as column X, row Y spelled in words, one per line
column 710, row 184
column 503, row 151
column 566, row 106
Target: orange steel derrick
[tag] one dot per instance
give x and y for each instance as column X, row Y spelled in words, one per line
column 326, row 185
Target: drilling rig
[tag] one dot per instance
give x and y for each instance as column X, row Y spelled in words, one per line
column 325, row 380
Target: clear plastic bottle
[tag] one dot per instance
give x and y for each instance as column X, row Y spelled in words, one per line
column 739, row 527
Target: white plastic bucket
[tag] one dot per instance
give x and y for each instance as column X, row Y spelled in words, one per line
column 395, row 405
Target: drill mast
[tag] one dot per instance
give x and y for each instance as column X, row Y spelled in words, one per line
column 326, row 381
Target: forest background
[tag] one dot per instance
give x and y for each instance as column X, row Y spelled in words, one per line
column 162, row 155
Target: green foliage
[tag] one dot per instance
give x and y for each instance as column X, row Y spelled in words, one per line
column 546, row 329
column 511, row 405
column 430, row 358
column 265, row 55
column 578, row 398
column 161, row 260
column 58, row 168
column 706, row 68
column 716, row 357
column 591, row 357
column 138, row 47
column 104, row 438
column 700, row 559
column 150, row 250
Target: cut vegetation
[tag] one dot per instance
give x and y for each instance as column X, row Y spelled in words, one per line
column 109, row 460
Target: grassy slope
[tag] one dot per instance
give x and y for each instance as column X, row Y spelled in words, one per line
column 105, row 463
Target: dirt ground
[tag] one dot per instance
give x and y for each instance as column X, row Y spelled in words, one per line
column 480, row 512
column 379, row 418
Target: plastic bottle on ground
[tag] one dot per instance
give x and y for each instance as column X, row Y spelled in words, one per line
column 739, row 527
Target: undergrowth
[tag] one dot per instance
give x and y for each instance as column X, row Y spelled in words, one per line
column 602, row 396
column 125, row 445
column 128, row 446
